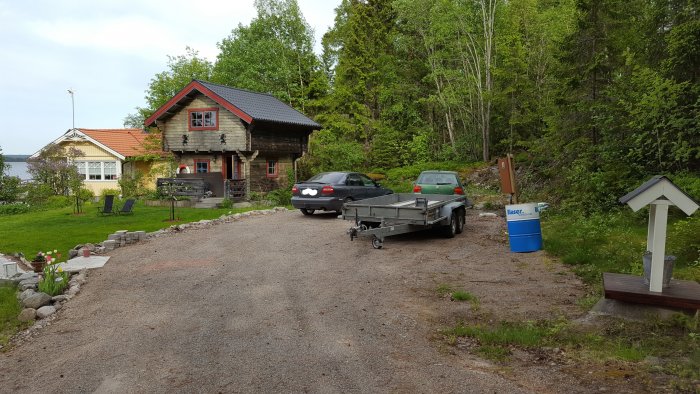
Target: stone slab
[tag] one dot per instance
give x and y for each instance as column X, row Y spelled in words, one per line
column 633, row 311
column 79, row 263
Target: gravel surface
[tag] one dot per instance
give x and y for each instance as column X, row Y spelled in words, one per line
column 286, row 303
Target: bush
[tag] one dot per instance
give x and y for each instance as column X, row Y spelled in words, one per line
column 10, row 188
column 58, row 202
column 85, row 194
column 114, row 192
column 14, row 208
column 132, row 185
column 38, row 194
column 280, row 197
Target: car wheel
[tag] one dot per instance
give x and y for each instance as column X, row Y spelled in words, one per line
column 451, row 229
column 461, row 218
column 307, row 212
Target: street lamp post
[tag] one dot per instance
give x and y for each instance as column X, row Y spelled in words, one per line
column 72, row 101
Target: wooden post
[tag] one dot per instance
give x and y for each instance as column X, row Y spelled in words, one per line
column 658, row 215
column 511, row 173
column 246, row 169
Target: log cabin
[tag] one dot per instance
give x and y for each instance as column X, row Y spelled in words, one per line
column 235, row 139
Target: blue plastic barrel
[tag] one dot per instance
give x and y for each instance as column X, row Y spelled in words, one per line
column 524, row 231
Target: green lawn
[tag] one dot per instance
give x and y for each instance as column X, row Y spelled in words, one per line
column 615, row 242
column 61, row 229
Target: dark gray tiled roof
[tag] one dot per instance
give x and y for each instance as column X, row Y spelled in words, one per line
column 260, row 106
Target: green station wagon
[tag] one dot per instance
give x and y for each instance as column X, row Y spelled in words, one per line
column 438, row 182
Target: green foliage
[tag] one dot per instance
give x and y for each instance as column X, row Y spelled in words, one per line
column 615, row 242
column 13, row 208
column 54, row 202
column 54, row 280
column 330, row 153
column 10, row 308
column 132, row 185
column 106, row 192
column 37, row 194
column 280, row 197
column 273, row 54
column 53, row 169
column 163, row 86
column 10, row 188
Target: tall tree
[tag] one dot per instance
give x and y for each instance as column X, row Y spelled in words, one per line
column 273, row 54
column 164, row 85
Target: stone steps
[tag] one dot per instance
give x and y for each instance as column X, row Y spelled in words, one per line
column 211, row 202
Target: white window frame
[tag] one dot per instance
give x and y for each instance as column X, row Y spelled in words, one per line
column 86, row 175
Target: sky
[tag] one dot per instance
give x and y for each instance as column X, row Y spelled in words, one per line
column 106, row 51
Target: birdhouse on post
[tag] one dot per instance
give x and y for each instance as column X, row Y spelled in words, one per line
column 659, row 193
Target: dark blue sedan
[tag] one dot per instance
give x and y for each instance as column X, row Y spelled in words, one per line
column 328, row 191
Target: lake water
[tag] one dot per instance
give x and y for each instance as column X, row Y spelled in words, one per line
column 18, row 168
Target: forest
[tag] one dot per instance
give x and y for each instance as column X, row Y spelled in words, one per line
column 591, row 96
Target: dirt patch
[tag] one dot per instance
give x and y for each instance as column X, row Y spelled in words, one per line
column 288, row 303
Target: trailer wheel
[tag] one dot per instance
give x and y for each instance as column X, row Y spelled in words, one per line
column 376, row 242
column 461, row 218
column 307, row 212
column 451, row 229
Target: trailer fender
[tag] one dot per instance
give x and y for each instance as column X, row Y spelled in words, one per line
column 446, row 211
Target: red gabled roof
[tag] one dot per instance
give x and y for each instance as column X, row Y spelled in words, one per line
column 128, row 142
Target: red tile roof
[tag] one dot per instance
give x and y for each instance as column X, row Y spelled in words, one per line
column 128, row 142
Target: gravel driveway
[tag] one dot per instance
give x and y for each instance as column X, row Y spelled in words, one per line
column 286, row 303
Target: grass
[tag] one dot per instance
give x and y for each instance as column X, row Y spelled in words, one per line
column 60, row 229
column 457, row 295
column 9, row 310
column 615, row 242
column 675, row 341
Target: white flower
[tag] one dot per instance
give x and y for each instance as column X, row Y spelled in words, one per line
column 55, row 251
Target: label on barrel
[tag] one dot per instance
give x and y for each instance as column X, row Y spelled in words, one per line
column 522, row 212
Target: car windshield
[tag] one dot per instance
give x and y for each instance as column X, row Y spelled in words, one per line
column 432, row 178
column 327, row 177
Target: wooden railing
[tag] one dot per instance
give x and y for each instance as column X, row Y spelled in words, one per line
column 235, row 189
column 191, row 187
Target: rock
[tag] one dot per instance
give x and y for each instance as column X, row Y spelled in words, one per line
column 27, row 314
column 26, row 275
column 141, row 235
column 109, row 245
column 72, row 254
column 45, row 311
column 90, row 247
column 113, row 237
column 59, row 298
column 79, row 279
column 121, row 232
column 36, row 300
column 100, row 250
column 23, row 295
column 30, row 281
column 57, row 305
column 487, row 215
column 204, row 222
column 73, row 290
